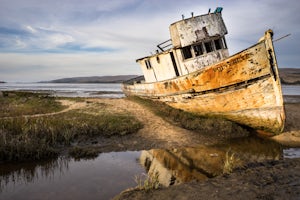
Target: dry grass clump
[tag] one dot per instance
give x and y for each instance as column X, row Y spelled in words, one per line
column 230, row 162
column 147, row 181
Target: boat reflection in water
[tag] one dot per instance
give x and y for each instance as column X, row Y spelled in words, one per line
column 200, row 163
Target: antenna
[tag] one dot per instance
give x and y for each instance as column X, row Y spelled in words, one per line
column 282, row 37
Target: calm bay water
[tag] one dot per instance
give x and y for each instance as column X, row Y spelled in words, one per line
column 111, row 90
column 291, row 89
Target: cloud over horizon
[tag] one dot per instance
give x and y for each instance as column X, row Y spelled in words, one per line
column 45, row 40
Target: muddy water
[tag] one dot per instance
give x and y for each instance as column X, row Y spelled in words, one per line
column 111, row 173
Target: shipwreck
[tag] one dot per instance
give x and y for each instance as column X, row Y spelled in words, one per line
column 194, row 72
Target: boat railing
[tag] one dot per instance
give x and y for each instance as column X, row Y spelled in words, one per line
column 165, row 45
column 132, row 81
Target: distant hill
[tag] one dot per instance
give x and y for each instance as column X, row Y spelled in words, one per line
column 2, row 82
column 93, row 79
column 289, row 75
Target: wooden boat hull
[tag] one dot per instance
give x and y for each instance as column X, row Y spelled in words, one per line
column 244, row 88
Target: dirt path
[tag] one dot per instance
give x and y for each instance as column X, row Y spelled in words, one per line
column 155, row 128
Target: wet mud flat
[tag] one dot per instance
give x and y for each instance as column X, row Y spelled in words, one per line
column 266, row 180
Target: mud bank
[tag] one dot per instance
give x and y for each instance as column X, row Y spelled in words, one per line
column 268, row 180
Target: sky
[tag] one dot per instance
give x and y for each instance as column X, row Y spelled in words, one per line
column 44, row 40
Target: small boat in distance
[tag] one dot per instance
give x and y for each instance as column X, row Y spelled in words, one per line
column 194, row 72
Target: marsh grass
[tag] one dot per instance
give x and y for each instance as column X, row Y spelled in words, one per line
column 190, row 121
column 24, row 138
column 147, row 182
column 35, row 138
column 19, row 103
column 231, row 162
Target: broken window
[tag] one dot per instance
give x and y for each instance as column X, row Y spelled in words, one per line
column 208, row 46
column 198, row 49
column 218, row 44
column 148, row 64
column 186, row 52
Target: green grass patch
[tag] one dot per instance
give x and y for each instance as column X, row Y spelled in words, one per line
column 24, row 138
column 17, row 103
column 35, row 138
column 31, row 138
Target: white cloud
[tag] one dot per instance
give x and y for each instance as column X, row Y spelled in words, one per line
column 60, row 39
column 32, row 30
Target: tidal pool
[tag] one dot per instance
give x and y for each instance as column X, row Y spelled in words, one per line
column 100, row 178
column 291, row 153
column 111, row 173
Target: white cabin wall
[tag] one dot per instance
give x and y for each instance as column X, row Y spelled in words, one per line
column 149, row 74
column 194, row 64
column 164, row 69
column 161, row 68
column 189, row 31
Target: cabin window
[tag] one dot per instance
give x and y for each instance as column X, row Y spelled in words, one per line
column 218, row 44
column 148, row 64
column 198, row 49
column 208, row 46
column 186, row 52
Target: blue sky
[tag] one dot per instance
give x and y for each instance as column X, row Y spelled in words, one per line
column 46, row 40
